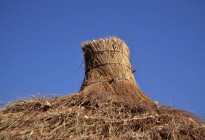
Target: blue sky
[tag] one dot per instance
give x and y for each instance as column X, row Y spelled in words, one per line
column 40, row 46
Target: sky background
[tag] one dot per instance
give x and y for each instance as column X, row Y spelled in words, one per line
column 40, row 46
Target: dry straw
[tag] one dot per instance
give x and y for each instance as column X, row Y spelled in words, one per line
column 109, row 106
column 108, row 68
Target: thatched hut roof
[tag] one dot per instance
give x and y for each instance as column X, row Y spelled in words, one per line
column 110, row 106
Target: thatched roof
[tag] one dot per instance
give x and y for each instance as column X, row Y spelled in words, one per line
column 110, row 105
column 89, row 117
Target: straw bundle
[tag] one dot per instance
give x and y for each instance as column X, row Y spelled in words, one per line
column 108, row 68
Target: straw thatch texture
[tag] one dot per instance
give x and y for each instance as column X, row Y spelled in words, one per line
column 108, row 68
column 106, row 60
column 79, row 117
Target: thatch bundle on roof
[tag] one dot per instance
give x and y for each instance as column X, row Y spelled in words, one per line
column 108, row 68
column 107, row 60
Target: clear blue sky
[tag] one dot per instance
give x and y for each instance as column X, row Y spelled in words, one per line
column 40, row 49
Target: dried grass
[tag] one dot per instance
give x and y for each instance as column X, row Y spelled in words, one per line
column 86, row 116
column 108, row 68
column 106, row 60
column 109, row 106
